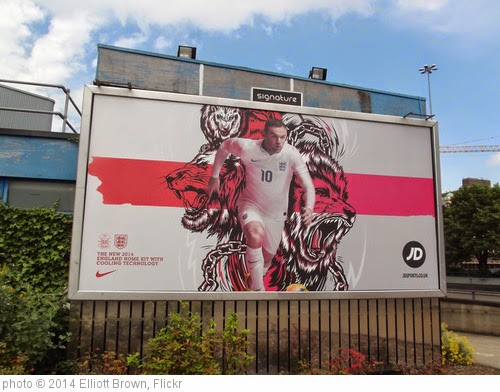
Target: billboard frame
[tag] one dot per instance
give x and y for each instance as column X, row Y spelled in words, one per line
column 74, row 293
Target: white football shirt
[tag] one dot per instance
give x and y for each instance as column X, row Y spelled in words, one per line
column 267, row 177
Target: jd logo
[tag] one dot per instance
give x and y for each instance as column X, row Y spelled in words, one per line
column 414, row 254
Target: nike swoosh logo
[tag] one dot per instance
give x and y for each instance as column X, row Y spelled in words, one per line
column 255, row 160
column 100, row 275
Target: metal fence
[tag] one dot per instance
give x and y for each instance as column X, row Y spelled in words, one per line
column 402, row 331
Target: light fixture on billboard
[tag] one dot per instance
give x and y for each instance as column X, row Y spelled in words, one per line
column 317, row 73
column 428, row 69
column 188, row 52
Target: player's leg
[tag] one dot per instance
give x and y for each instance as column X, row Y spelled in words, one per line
column 253, row 229
column 272, row 239
column 254, row 233
column 268, row 259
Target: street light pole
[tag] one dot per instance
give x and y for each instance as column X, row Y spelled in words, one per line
column 428, row 69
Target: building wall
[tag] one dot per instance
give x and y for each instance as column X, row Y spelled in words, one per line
column 475, row 181
column 151, row 71
column 38, row 155
column 147, row 72
column 473, row 317
column 18, row 99
column 38, row 169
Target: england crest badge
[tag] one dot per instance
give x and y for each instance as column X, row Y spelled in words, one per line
column 121, row 240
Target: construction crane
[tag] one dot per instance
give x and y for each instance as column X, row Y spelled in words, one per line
column 486, row 148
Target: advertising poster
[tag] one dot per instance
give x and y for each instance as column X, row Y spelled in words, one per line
column 149, row 226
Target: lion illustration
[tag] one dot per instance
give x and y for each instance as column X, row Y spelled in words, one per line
column 219, row 123
column 308, row 255
column 189, row 184
column 305, row 257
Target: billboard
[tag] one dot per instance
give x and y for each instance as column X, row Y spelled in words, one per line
column 145, row 228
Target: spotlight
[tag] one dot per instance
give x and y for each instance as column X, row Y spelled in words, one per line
column 428, row 69
column 317, row 73
column 186, row 52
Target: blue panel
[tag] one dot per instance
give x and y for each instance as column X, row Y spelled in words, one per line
column 395, row 105
column 3, row 190
column 147, row 72
column 38, row 158
column 311, row 102
column 350, row 105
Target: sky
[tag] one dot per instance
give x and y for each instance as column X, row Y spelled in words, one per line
column 376, row 44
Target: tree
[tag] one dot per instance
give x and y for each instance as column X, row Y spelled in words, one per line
column 471, row 225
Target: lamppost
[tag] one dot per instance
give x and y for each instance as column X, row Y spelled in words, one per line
column 428, row 69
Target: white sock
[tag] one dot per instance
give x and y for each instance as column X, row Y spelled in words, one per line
column 266, row 267
column 255, row 266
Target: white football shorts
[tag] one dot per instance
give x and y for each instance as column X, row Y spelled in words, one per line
column 273, row 228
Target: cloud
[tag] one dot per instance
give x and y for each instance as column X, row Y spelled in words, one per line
column 56, row 54
column 52, row 56
column 162, row 43
column 220, row 15
column 284, row 66
column 421, row 5
column 471, row 21
column 494, row 160
column 59, row 54
column 15, row 34
column 132, row 41
column 268, row 30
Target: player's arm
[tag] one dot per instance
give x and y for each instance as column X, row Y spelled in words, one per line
column 300, row 170
column 229, row 146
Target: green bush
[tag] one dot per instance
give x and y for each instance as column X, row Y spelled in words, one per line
column 183, row 347
column 455, row 349
column 35, row 243
column 11, row 364
column 105, row 363
column 235, row 345
column 28, row 324
column 34, row 257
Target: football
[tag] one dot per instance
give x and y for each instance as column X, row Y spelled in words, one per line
column 296, row 287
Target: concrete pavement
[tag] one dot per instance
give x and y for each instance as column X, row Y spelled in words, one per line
column 487, row 349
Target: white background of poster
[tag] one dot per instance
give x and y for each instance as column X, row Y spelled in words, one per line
column 155, row 129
